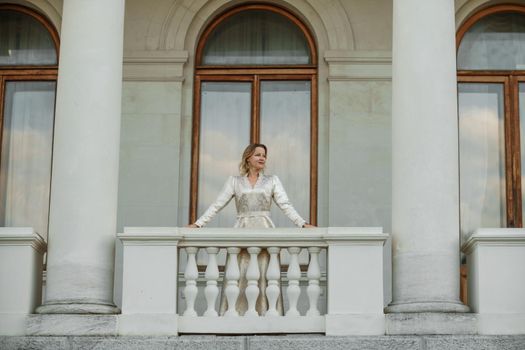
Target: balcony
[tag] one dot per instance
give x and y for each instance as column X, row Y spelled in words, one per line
column 171, row 281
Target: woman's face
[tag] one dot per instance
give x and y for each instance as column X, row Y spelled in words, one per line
column 257, row 160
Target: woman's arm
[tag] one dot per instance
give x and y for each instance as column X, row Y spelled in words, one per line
column 224, row 198
column 281, row 199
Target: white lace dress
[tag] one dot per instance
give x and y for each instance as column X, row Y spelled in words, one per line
column 253, row 211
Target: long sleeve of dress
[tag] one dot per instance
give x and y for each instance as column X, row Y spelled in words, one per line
column 224, row 198
column 281, row 199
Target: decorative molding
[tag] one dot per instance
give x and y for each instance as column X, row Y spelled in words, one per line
column 247, row 325
column 22, row 236
column 182, row 21
column 165, row 65
column 52, row 9
column 150, row 236
column 465, row 8
column 154, row 230
column 495, row 237
column 359, row 65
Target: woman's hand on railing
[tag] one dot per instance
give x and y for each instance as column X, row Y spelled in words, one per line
column 192, row 226
column 308, row 226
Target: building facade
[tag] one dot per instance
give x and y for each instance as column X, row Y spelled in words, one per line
column 401, row 115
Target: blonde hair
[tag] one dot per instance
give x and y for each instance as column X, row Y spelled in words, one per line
column 248, row 152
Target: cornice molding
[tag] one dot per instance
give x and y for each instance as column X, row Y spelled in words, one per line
column 161, row 65
column 359, row 65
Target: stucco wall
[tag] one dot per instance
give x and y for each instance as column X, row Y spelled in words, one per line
column 149, row 152
column 156, row 29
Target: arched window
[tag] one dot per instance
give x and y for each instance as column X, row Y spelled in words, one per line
column 28, row 73
column 491, row 100
column 255, row 81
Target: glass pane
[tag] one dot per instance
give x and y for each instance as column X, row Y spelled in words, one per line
column 522, row 143
column 24, row 41
column 225, row 132
column 494, row 42
column 27, row 140
column 285, row 129
column 482, row 156
column 258, row 38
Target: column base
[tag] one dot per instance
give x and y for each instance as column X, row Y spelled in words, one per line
column 431, row 323
column 429, row 306
column 72, row 325
column 77, row 307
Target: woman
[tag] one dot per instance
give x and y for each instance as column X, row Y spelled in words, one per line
column 253, row 192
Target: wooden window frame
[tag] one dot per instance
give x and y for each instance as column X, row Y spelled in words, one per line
column 510, row 80
column 22, row 73
column 254, row 74
column 47, row 25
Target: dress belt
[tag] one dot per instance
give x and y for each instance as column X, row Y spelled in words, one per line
column 253, row 214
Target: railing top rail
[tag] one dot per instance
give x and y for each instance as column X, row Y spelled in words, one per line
column 241, row 237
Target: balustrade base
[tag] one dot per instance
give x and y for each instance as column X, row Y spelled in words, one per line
column 12, row 324
column 165, row 324
column 509, row 323
column 151, row 325
column 355, row 324
column 252, row 325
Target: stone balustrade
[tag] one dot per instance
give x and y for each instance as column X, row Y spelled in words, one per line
column 148, row 261
column 21, row 264
column 208, row 322
column 169, row 281
column 496, row 286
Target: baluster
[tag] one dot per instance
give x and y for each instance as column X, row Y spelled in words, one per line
column 252, row 275
column 313, row 274
column 212, row 275
column 273, row 275
column 232, row 276
column 293, row 274
column 191, row 274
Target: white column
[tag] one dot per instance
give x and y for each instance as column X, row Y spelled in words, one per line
column 425, row 204
column 83, row 209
